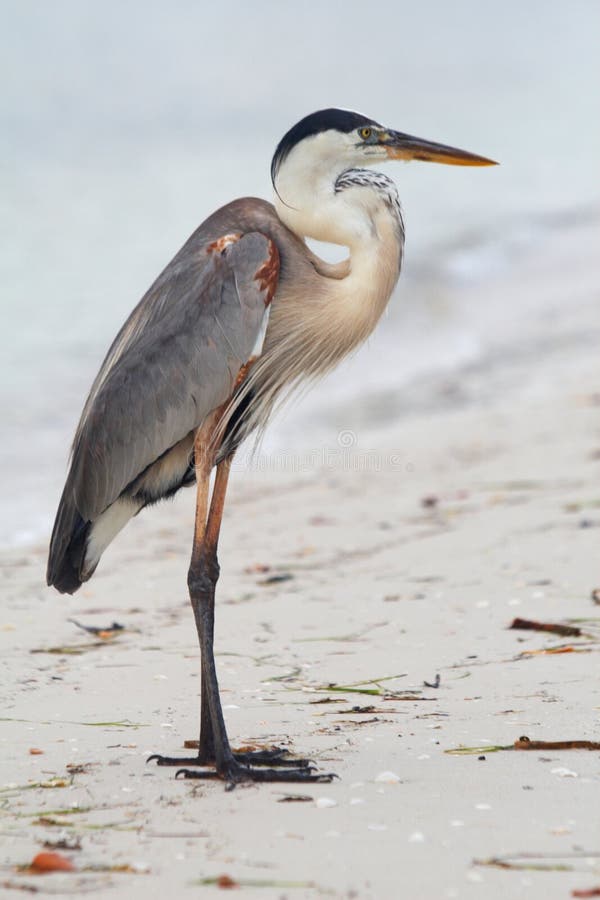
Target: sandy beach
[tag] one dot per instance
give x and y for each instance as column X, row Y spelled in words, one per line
column 349, row 581
column 439, row 485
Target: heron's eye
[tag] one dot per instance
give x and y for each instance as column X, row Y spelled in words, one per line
column 365, row 133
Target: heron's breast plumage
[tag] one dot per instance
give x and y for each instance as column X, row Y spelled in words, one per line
column 320, row 313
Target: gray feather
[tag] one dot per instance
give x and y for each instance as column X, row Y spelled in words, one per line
column 176, row 359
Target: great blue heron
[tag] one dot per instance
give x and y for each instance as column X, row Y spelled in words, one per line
column 243, row 312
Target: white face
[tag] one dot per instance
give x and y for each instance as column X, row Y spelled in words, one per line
column 306, row 199
column 329, row 153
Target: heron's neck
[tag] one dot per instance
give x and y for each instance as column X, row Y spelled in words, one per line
column 343, row 306
column 357, row 217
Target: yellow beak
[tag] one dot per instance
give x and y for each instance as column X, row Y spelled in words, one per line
column 405, row 146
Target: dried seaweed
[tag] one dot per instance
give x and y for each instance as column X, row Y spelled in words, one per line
column 69, row 649
column 469, row 751
column 525, row 743
column 342, row 638
column 538, row 862
column 50, row 783
column 361, row 687
column 226, row 882
column 122, row 723
column 503, row 862
column 550, row 651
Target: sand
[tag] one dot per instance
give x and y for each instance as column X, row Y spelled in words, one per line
column 407, row 560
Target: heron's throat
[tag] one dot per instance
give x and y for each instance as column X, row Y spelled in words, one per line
column 336, row 204
column 311, row 208
column 356, row 302
column 326, row 313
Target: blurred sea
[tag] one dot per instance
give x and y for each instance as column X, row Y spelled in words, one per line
column 122, row 125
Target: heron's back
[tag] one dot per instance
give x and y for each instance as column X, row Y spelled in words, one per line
column 175, row 360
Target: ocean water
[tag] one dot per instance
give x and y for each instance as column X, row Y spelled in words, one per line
column 122, row 125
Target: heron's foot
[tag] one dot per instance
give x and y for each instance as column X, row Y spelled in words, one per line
column 276, row 757
column 179, row 760
column 234, row 772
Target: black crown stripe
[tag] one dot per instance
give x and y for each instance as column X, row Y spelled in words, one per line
column 322, row 120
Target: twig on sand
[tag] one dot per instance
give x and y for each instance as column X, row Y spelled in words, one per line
column 524, row 743
column 553, row 627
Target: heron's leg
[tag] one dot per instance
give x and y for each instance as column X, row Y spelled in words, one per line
column 205, row 566
column 202, row 579
column 202, row 591
column 204, row 571
column 203, row 574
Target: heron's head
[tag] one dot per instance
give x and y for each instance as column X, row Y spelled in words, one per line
column 332, row 140
column 311, row 156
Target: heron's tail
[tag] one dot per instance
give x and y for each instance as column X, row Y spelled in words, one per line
column 76, row 545
column 67, row 547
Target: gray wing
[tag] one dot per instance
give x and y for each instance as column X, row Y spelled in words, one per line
column 174, row 361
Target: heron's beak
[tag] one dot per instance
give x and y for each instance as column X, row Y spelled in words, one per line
column 405, row 146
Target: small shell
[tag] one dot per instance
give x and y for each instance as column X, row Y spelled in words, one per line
column 417, row 837
column 563, row 772
column 388, row 778
column 325, row 802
